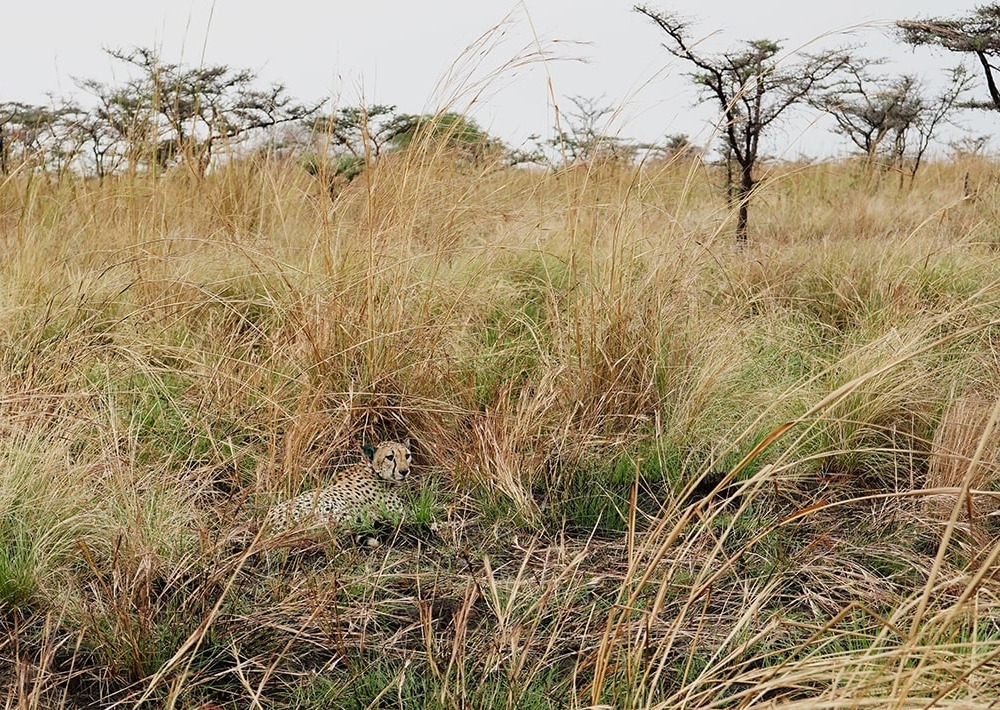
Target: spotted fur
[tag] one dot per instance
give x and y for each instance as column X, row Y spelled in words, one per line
column 365, row 491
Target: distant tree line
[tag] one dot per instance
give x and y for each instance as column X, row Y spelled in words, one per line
column 172, row 116
column 168, row 116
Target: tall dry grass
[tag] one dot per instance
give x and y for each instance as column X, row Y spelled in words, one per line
column 673, row 474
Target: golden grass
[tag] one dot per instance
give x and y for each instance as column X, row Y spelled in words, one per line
column 965, row 452
column 598, row 385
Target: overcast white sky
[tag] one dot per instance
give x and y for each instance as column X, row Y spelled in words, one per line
column 399, row 52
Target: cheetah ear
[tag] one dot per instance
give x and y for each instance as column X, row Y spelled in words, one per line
column 406, row 442
column 369, row 451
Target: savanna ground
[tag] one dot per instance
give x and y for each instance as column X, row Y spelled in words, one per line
column 673, row 473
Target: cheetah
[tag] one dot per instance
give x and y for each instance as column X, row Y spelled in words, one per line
column 365, row 491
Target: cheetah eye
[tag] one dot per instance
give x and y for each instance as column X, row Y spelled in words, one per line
column 389, row 457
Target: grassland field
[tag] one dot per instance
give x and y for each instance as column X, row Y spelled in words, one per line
column 651, row 469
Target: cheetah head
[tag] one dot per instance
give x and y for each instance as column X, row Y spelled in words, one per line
column 390, row 460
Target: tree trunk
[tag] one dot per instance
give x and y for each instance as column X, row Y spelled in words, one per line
column 731, row 191
column 746, row 187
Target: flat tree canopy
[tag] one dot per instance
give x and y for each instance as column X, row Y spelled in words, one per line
column 977, row 33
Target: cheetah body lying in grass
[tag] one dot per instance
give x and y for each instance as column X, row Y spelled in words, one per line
column 363, row 492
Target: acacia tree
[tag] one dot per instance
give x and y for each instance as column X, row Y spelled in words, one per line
column 977, row 33
column 63, row 144
column 38, row 136
column 100, row 142
column 363, row 132
column 580, row 136
column 123, row 124
column 341, row 144
column 934, row 112
column 752, row 90
column 171, row 112
column 891, row 117
column 21, row 126
column 679, row 146
column 868, row 109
